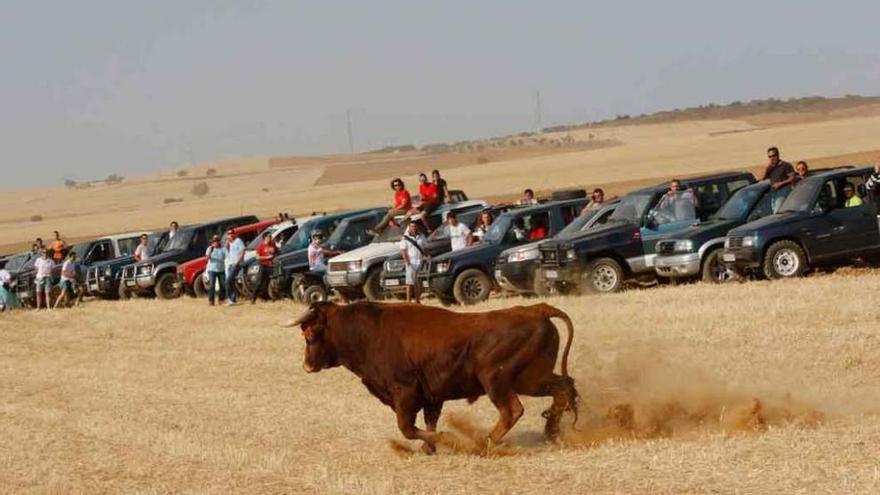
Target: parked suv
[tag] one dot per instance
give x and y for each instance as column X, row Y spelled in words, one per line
column 466, row 276
column 294, row 257
column 358, row 272
column 813, row 226
column 516, row 268
column 159, row 273
column 602, row 259
column 191, row 274
column 103, row 278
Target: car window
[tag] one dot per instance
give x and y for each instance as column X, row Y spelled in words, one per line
column 711, row 197
column 355, row 234
column 101, row 251
column 526, row 228
column 127, row 246
column 763, row 207
column 568, row 214
column 858, row 183
column 735, row 185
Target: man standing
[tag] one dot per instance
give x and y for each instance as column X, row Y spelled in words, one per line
column 234, row 258
column 676, row 204
column 57, row 247
column 43, row 279
column 142, row 251
column 402, row 204
column 412, row 249
column 460, row 235
column 442, row 188
column 265, row 256
column 781, row 175
column 172, row 231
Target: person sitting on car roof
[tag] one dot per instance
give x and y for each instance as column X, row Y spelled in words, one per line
column 402, row 204
column 851, row 195
column 442, row 187
column 528, row 198
column 428, row 200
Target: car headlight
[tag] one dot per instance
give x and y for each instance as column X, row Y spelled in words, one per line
column 108, row 271
column 145, row 269
column 570, row 255
column 529, row 254
column 750, row 241
column 354, row 266
column 253, row 269
column 441, row 266
column 683, row 246
column 394, row 265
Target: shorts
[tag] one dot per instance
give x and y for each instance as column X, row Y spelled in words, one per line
column 68, row 286
column 43, row 284
column 412, row 274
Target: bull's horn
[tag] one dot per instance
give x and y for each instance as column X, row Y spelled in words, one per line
column 307, row 316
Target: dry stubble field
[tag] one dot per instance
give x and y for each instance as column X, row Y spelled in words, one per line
column 153, row 396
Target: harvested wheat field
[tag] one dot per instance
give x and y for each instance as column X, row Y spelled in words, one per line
column 751, row 388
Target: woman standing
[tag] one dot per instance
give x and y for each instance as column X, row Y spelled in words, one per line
column 483, row 224
column 216, row 270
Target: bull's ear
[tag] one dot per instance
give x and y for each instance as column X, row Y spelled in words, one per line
column 306, row 317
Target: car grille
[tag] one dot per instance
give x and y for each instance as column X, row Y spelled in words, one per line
column 23, row 284
column 665, row 247
column 551, row 255
column 128, row 272
column 92, row 276
column 338, row 266
column 734, row 242
column 336, row 279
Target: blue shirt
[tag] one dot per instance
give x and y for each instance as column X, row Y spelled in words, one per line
column 216, row 258
column 235, row 250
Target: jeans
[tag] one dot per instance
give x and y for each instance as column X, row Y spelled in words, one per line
column 213, row 277
column 262, row 283
column 231, row 290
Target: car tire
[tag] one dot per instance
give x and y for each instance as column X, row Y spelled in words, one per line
column 714, row 271
column 372, row 285
column 568, row 194
column 471, row 287
column 541, row 286
column 784, row 259
column 603, row 275
column 314, row 293
column 198, row 286
column 296, row 288
column 167, row 286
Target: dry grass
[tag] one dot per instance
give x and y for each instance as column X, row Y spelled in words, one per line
column 240, row 186
column 155, row 396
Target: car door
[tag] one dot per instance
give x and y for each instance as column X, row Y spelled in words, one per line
column 854, row 229
column 665, row 219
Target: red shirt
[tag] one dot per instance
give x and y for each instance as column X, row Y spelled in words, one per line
column 402, row 201
column 537, row 234
column 428, row 192
column 266, row 250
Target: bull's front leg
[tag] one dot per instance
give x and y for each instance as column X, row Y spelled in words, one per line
column 407, row 406
column 431, row 412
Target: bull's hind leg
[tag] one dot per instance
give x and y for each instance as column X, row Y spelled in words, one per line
column 431, row 412
column 510, row 409
column 565, row 397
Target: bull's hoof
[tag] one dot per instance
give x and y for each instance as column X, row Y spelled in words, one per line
column 429, row 448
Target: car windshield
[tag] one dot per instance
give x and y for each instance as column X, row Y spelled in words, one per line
column 497, row 230
column 631, row 208
column 17, row 262
column 300, row 240
column 392, row 233
column 739, row 206
column 579, row 223
column 801, row 197
column 181, row 240
column 251, row 246
column 81, row 250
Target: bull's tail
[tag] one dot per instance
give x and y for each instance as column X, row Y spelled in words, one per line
column 552, row 312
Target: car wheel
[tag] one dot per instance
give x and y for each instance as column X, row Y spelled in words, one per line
column 198, row 286
column 603, row 275
column 372, row 285
column 445, row 301
column 313, row 294
column 471, row 287
column 714, row 270
column 167, row 286
column 542, row 286
column 784, row 259
column 296, row 288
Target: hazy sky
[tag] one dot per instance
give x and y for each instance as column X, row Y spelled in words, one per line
column 95, row 87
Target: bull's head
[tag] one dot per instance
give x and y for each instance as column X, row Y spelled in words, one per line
column 320, row 351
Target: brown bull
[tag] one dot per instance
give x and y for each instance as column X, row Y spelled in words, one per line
column 413, row 358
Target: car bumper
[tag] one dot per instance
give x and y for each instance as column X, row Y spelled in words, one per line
column 394, row 282
column 677, row 265
column 346, row 279
column 139, row 282
column 742, row 258
column 438, row 284
column 101, row 286
column 561, row 275
column 516, row 277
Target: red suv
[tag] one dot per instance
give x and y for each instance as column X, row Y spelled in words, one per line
column 190, row 273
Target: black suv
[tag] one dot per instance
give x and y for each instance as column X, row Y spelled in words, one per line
column 516, row 268
column 466, row 276
column 817, row 224
column 293, row 258
column 104, row 278
column 604, row 258
column 159, row 272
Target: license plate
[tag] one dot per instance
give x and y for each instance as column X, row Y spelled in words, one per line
column 497, row 274
column 551, row 274
column 392, row 282
column 728, row 257
column 93, row 287
column 129, row 283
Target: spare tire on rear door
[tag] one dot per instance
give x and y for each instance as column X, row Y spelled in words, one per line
column 568, row 194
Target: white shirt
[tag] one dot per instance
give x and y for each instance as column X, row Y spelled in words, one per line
column 412, row 253
column 236, row 248
column 316, row 257
column 458, row 235
column 5, row 277
column 142, row 252
column 68, row 271
column 44, row 267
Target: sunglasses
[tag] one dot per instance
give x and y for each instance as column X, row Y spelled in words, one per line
column 772, row 156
